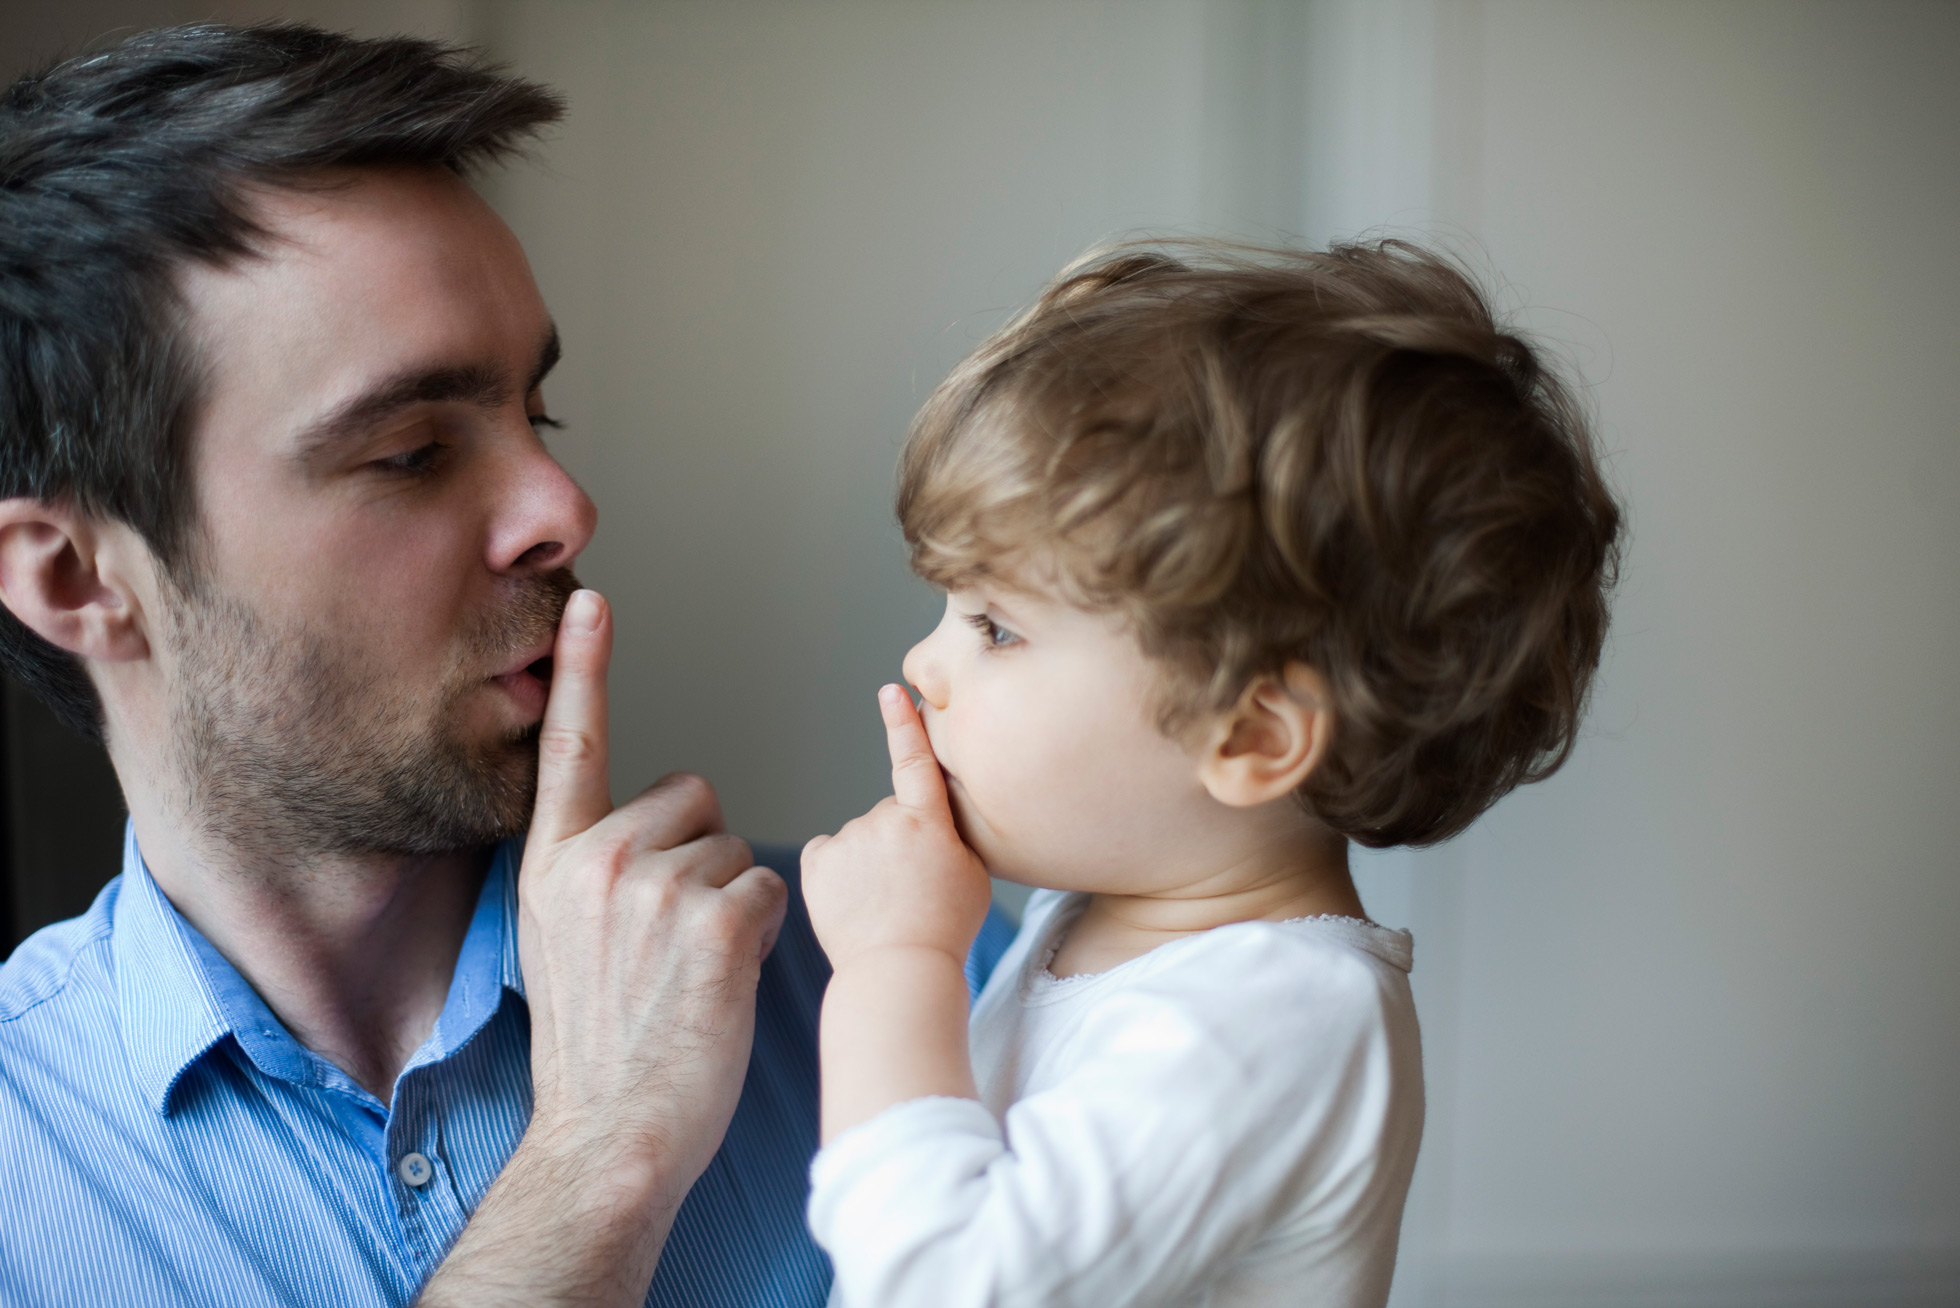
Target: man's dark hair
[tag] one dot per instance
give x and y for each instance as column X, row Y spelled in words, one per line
column 117, row 168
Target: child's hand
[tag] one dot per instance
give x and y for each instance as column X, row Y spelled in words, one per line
column 896, row 898
column 899, row 876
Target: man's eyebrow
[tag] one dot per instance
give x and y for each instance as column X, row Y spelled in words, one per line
column 470, row 384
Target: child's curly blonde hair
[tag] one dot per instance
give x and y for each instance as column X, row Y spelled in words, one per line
column 1263, row 456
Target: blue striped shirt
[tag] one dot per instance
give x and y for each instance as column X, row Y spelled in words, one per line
column 163, row 1139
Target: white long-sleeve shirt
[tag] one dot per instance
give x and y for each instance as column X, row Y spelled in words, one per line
column 1229, row 1120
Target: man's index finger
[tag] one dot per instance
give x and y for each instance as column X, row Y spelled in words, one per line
column 573, row 788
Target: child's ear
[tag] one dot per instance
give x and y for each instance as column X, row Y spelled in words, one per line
column 64, row 575
column 1271, row 741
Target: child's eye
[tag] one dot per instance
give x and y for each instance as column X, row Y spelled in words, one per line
column 991, row 632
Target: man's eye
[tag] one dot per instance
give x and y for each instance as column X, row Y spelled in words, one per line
column 415, row 462
column 990, row 631
column 542, row 420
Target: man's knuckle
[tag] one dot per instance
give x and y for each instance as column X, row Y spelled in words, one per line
column 606, row 846
column 687, row 787
column 657, row 896
column 773, row 889
column 566, row 746
column 730, row 849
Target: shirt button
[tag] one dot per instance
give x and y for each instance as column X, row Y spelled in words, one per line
column 414, row 1170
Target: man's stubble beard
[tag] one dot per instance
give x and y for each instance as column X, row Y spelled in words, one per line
column 289, row 744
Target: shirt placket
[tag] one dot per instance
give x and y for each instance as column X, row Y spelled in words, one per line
column 419, row 1176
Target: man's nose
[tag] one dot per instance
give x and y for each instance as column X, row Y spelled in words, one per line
column 543, row 520
column 922, row 667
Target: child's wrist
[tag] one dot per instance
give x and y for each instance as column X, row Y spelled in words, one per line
column 897, row 956
column 894, row 1029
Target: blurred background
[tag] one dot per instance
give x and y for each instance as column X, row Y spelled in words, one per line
column 1692, row 1007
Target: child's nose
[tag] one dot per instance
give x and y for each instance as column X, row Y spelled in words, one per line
column 922, row 669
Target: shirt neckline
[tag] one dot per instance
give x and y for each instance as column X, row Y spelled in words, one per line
column 1391, row 945
column 178, row 997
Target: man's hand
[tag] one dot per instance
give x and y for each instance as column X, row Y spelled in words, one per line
column 896, row 899
column 642, row 931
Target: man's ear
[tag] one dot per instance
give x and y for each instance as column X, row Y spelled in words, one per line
column 1271, row 741
column 66, row 576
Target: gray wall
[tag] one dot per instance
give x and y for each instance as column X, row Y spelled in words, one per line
column 1690, row 1006
column 1689, row 1014
column 766, row 232
column 1692, row 1003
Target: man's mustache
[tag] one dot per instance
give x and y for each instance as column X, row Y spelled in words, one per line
column 530, row 616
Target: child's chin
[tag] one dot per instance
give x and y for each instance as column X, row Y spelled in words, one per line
column 1003, row 866
column 994, row 854
column 975, row 837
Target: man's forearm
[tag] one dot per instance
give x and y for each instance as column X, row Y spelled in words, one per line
column 567, row 1223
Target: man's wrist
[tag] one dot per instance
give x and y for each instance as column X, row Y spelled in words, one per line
column 598, row 1155
column 588, row 1207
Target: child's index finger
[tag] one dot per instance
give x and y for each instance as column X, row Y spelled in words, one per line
column 916, row 779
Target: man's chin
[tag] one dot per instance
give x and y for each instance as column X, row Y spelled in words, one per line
column 457, row 798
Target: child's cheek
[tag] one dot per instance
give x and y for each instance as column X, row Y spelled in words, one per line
column 986, row 814
column 962, row 815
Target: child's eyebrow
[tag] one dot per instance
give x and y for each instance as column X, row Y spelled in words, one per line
column 1013, row 618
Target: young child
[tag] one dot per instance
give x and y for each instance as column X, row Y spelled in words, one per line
column 1247, row 555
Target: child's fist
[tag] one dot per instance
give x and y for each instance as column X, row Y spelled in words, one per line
column 899, row 876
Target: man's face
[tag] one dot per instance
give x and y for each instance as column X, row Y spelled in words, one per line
column 385, row 542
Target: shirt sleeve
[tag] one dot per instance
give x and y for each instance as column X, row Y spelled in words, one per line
column 1204, row 1106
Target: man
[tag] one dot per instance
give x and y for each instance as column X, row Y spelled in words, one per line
column 277, row 524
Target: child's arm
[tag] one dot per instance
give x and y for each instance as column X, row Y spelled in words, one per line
column 1251, row 1083
column 896, row 899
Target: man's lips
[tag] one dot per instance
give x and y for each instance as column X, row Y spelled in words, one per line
column 526, row 659
column 529, row 681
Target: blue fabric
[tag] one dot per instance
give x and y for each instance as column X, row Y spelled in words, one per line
column 164, row 1139
column 996, row 934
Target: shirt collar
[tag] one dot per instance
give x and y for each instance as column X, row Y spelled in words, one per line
column 169, row 1013
column 178, row 997
column 487, row 965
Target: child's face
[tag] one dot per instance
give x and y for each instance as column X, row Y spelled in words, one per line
column 1043, row 718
